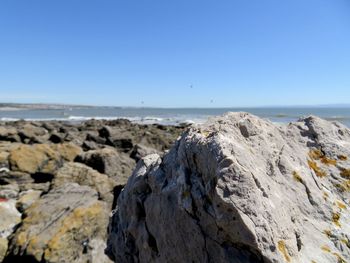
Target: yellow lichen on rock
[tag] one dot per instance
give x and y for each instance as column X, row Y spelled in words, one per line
column 345, row 173
column 74, row 227
column 325, row 196
column 336, row 218
column 342, row 157
column 344, row 186
column 318, row 171
column 339, row 258
column 297, row 177
column 326, row 248
column 282, row 248
column 318, row 155
column 340, row 204
column 34, row 158
column 68, row 151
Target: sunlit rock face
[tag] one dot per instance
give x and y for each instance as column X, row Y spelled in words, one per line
column 240, row 189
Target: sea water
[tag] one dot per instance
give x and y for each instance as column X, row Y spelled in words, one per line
column 172, row 116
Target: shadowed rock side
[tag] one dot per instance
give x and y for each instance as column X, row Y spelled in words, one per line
column 240, row 189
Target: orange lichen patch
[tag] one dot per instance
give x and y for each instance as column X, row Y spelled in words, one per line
column 318, row 171
column 326, row 248
column 318, row 155
column 328, row 161
column 345, row 173
column 341, row 205
column 342, row 157
column 282, row 248
column 315, row 154
column 339, row 258
column 335, row 219
column 297, row 177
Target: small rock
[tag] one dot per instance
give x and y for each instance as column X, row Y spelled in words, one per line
column 139, row 151
column 9, row 217
column 108, row 161
column 27, row 198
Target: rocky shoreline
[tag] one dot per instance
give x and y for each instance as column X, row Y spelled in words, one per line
column 59, row 182
column 234, row 189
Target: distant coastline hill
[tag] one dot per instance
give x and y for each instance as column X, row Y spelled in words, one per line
column 41, row 106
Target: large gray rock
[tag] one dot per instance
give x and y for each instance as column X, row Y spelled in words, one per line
column 240, row 189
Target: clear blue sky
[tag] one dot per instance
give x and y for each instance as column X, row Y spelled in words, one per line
column 233, row 52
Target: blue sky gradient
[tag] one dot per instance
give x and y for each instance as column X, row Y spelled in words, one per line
column 122, row 53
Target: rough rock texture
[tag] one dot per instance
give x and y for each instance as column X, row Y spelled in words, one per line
column 27, row 198
column 60, row 226
column 139, row 151
column 41, row 158
column 240, row 189
column 108, row 161
column 84, row 175
column 9, row 217
column 37, row 170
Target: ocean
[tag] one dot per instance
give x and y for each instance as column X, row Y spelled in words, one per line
column 170, row 116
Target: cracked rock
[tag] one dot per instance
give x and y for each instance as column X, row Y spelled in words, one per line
column 240, row 189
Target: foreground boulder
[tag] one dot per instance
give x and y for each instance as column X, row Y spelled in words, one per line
column 66, row 225
column 240, row 189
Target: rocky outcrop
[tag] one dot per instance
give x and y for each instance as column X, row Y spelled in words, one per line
column 63, row 227
column 240, row 189
column 53, row 209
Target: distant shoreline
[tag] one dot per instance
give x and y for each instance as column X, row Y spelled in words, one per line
column 45, row 106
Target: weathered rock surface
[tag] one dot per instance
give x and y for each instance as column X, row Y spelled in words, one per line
column 62, row 226
column 27, row 198
column 240, row 189
column 59, row 222
column 42, row 158
column 139, row 151
column 9, row 217
column 108, row 161
column 84, row 175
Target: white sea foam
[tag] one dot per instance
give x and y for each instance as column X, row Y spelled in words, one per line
column 8, row 119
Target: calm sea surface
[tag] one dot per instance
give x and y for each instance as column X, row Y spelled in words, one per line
column 172, row 116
